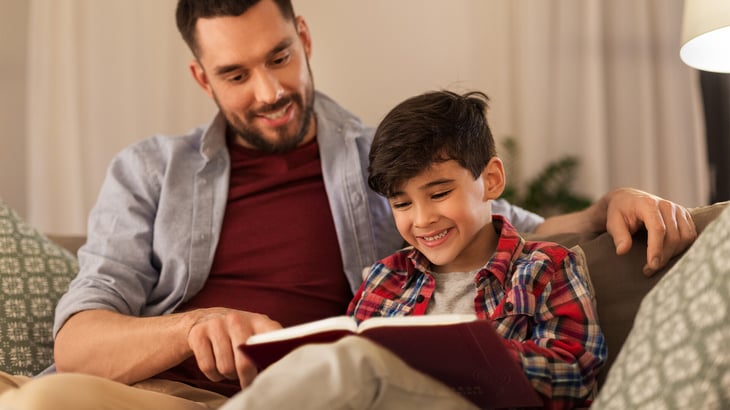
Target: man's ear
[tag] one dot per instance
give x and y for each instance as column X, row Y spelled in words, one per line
column 494, row 179
column 200, row 77
column 304, row 35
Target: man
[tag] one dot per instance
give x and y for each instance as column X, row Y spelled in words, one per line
column 199, row 241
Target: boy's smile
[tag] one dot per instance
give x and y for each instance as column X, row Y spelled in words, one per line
column 444, row 212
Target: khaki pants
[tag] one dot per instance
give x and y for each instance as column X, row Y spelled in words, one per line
column 82, row 392
column 350, row 374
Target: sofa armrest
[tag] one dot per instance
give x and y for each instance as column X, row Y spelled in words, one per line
column 71, row 243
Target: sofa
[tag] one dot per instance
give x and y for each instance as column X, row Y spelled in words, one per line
column 35, row 270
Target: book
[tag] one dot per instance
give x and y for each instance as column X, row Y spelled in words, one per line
column 461, row 351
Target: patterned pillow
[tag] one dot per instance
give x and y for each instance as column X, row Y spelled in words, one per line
column 677, row 355
column 34, row 273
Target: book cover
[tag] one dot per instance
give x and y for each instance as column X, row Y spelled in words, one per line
column 461, row 351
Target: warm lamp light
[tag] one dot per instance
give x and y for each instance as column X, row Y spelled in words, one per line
column 706, row 35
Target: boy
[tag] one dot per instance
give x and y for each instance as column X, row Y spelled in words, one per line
column 434, row 158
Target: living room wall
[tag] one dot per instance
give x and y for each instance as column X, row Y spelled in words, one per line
column 599, row 80
column 13, row 31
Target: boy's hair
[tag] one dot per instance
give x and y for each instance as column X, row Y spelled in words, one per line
column 189, row 11
column 429, row 128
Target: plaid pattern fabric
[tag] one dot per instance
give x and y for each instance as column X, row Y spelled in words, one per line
column 534, row 293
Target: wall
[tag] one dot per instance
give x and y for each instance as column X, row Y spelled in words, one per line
column 13, row 32
column 124, row 77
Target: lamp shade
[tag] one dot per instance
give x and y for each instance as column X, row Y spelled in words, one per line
column 706, row 35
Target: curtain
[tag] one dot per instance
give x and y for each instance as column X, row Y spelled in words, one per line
column 601, row 80
column 101, row 75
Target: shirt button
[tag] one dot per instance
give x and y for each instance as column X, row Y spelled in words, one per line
column 419, row 298
column 508, row 306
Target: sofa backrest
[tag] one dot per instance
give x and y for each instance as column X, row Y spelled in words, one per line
column 618, row 281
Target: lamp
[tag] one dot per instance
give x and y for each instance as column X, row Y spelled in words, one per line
column 706, row 35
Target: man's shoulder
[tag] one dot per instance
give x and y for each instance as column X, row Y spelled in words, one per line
column 165, row 145
column 331, row 111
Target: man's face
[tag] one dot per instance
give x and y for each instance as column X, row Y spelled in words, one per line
column 256, row 68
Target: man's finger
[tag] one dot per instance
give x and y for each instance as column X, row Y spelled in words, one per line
column 618, row 228
column 206, row 361
column 656, row 253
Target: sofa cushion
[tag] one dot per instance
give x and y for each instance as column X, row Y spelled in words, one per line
column 618, row 281
column 677, row 354
column 34, row 273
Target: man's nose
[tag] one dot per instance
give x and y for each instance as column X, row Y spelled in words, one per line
column 268, row 89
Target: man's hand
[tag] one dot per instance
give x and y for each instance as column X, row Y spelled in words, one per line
column 669, row 226
column 214, row 338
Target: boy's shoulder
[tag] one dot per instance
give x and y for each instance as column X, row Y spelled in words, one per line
column 570, row 263
column 546, row 249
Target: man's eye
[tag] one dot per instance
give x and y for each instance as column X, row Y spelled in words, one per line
column 440, row 195
column 281, row 60
column 236, row 78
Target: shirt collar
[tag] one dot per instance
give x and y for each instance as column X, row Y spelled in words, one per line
column 214, row 137
column 509, row 247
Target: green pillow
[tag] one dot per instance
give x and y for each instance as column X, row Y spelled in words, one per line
column 34, row 273
column 677, row 355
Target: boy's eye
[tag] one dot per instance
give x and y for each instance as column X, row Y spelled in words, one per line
column 442, row 194
column 399, row 204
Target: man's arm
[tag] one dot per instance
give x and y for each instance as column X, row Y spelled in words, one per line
column 129, row 349
column 622, row 212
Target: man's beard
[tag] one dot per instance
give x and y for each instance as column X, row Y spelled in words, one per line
column 285, row 142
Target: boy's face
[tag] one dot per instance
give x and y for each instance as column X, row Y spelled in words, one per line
column 445, row 213
column 255, row 66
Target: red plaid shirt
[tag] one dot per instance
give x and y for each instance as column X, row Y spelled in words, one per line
column 535, row 293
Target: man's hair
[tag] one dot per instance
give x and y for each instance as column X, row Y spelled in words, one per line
column 429, row 128
column 189, row 11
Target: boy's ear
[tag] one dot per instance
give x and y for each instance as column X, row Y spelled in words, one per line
column 494, row 179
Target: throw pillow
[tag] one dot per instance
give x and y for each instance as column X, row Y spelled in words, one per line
column 677, row 355
column 34, row 273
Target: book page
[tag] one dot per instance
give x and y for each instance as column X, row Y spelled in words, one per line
column 424, row 320
column 331, row 323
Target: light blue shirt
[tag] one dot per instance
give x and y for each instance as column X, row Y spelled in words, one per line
column 154, row 230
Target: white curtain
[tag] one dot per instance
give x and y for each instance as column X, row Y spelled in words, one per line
column 102, row 74
column 601, row 80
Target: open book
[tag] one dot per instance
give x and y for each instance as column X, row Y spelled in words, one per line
column 461, row 351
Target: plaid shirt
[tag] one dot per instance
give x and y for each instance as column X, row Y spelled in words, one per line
column 535, row 293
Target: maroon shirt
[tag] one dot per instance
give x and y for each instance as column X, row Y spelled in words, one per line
column 278, row 252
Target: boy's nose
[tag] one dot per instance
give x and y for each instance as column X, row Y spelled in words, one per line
column 424, row 216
